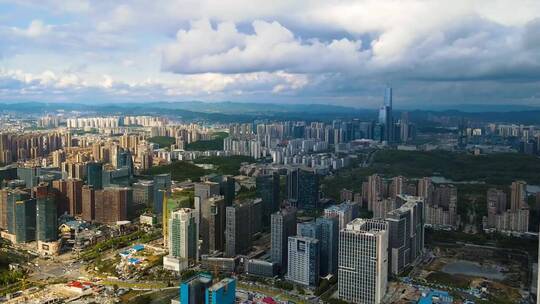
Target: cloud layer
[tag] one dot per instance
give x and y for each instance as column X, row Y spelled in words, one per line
column 333, row 51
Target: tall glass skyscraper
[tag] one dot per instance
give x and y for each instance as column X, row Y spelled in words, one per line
column 267, row 187
column 223, row 292
column 385, row 116
column 193, row 291
column 388, row 97
column 161, row 182
column 303, row 188
column 283, row 225
column 25, row 220
column 46, row 219
column 94, row 175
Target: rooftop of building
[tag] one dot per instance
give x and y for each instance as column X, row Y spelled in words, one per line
column 144, row 183
column 202, row 277
column 361, row 225
column 341, row 207
column 221, row 284
column 304, row 238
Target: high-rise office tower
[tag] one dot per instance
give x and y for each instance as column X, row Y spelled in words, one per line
column 282, row 225
column 94, row 175
column 17, row 195
column 385, row 116
column 223, row 292
column 255, row 215
column 30, row 175
column 406, row 233
column 46, row 218
column 326, row 230
column 304, row 258
column 363, row 261
column 303, row 188
column 388, row 97
column 193, row 291
column 329, row 245
column 227, row 189
column 183, row 239
column 161, row 182
column 344, row 213
column 25, row 220
column 74, row 196
column 238, row 229
column 309, row 229
column 143, row 194
column 206, row 189
column 60, row 191
column 405, row 128
column 212, row 225
column 268, row 190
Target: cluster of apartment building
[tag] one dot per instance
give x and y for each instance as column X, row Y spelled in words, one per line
column 502, row 217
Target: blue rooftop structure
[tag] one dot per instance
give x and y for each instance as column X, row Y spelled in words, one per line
column 436, row 297
column 193, row 291
column 223, row 292
column 138, row 247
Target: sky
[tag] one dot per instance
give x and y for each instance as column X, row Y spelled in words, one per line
column 432, row 52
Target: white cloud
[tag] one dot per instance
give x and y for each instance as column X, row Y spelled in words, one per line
column 315, row 49
column 35, row 29
column 271, row 47
column 14, row 82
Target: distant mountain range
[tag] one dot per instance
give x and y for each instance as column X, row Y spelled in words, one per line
column 479, row 108
column 238, row 111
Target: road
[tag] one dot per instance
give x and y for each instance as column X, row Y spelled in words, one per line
column 369, row 159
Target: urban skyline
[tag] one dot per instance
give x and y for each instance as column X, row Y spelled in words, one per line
column 308, row 152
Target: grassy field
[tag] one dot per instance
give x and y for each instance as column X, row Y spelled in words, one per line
column 182, row 170
column 499, row 240
column 7, row 257
column 162, row 141
column 182, row 199
column 95, row 251
column 226, row 165
column 496, row 169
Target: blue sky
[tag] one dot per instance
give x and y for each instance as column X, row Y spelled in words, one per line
column 332, row 51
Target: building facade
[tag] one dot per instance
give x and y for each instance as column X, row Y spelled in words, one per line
column 183, row 239
column 363, row 261
column 283, row 225
column 303, row 261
